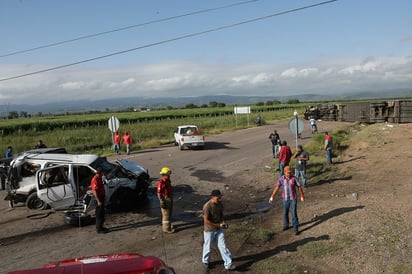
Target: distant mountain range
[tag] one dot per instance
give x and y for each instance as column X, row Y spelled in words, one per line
column 179, row 102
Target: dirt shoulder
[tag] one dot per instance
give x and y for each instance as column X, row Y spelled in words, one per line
column 354, row 220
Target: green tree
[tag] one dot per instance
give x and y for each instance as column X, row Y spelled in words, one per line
column 213, row 104
column 260, row 103
column 293, row 101
column 13, row 114
column 221, row 105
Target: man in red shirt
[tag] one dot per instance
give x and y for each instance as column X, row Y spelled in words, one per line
column 116, row 142
column 328, row 147
column 99, row 194
column 165, row 195
column 127, row 140
column 284, row 156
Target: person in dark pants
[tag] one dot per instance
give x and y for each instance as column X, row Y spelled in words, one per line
column 165, row 195
column 328, row 147
column 301, row 157
column 275, row 140
column 99, row 194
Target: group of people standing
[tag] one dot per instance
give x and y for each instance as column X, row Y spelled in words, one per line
column 126, row 139
column 213, row 217
column 290, row 184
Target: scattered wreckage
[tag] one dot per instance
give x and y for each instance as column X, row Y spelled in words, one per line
column 392, row 111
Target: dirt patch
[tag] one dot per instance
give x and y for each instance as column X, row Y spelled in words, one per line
column 356, row 218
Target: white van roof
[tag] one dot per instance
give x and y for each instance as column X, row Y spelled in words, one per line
column 58, row 157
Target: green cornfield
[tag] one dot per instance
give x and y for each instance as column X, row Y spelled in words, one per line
column 89, row 133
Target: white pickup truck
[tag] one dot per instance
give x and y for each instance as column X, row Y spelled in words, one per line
column 189, row 136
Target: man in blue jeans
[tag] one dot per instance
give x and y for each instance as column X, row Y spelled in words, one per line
column 301, row 157
column 213, row 230
column 289, row 185
column 285, row 154
column 328, row 147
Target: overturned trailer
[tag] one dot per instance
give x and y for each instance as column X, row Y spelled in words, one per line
column 393, row 111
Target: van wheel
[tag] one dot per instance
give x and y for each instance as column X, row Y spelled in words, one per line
column 78, row 219
column 33, row 202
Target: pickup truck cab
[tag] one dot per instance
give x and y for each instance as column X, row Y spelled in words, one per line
column 189, row 136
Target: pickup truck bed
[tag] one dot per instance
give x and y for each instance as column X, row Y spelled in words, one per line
column 189, row 136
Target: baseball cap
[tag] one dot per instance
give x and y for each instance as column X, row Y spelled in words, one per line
column 216, row 193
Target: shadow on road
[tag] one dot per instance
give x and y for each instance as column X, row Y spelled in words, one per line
column 350, row 160
column 331, row 180
column 210, row 175
column 248, row 260
column 324, row 217
column 244, row 263
column 217, row 145
column 42, row 232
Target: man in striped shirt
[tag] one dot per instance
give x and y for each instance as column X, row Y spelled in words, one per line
column 289, row 185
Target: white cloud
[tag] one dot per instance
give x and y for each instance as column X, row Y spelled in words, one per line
column 193, row 79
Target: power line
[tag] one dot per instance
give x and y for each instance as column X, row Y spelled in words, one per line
column 169, row 40
column 125, row 28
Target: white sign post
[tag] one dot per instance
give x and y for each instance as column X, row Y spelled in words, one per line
column 296, row 126
column 242, row 110
column 114, row 125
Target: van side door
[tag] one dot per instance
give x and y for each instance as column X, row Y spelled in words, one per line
column 54, row 187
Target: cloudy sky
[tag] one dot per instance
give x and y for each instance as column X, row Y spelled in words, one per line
column 99, row 49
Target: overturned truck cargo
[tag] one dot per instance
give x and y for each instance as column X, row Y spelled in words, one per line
column 393, row 111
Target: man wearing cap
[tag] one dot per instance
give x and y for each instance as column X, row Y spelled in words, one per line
column 165, row 195
column 301, row 157
column 99, row 194
column 289, row 184
column 213, row 230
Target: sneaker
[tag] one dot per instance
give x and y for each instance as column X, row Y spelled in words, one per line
column 285, row 228
column 231, row 267
column 296, row 231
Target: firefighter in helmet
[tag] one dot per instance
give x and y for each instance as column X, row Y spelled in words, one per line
column 165, row 195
